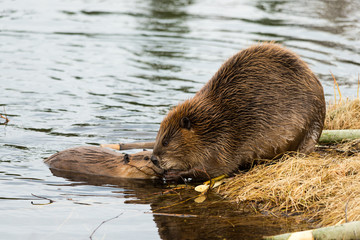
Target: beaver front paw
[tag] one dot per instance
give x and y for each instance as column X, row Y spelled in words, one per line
column 180, row 176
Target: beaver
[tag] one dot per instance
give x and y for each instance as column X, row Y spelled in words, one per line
column 262, row 102
column 93, row 160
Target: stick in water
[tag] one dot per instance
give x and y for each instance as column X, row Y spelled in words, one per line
column 127, row 146
column 103, row 223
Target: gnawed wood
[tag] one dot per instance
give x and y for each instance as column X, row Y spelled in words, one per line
column 127, row 146
column 346, row 231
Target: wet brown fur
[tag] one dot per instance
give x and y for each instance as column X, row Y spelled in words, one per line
column 262, row 102
column 104, row 162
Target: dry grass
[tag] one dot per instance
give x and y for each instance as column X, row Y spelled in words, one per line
column 343, row 114
column 323, row 187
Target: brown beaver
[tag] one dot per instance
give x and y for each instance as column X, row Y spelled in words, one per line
column 104, row 162
column 262, row 102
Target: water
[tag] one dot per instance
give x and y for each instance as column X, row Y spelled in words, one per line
column 89, row 72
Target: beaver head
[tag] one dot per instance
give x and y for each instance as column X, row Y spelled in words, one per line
column 189, row 138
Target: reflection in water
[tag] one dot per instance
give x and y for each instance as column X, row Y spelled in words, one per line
column 338, row 11
column 323, row 32
column 88, row 72
column 167, row 16
column 165, row 26
column 335, row 16
column 179, row 217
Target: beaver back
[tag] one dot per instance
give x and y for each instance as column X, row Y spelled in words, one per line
column 262, row 102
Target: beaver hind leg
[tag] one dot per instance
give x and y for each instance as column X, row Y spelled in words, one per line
column 311, row 138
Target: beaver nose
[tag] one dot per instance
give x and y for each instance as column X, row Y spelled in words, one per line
column 155, row 161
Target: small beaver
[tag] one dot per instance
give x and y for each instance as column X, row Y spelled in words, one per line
column 103, row 162
column 262, row 102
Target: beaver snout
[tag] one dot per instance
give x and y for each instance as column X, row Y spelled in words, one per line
column 155, row 160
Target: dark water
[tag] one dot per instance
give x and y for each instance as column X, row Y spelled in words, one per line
column 101, row 71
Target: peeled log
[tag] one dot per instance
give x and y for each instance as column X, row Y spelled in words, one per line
column 127, row 146
column 346, row 231
column 334, row 136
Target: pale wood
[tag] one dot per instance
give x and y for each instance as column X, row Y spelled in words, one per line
column 346, row 231
column 127, row 146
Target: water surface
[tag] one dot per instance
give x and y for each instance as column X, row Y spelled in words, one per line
column 90, row 72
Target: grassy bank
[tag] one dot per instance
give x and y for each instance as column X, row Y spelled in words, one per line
column 323, row 187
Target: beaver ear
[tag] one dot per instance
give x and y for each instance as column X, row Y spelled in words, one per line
column 185, row 123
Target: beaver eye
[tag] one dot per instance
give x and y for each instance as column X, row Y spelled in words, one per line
column 165, row 142
column 185, row 123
